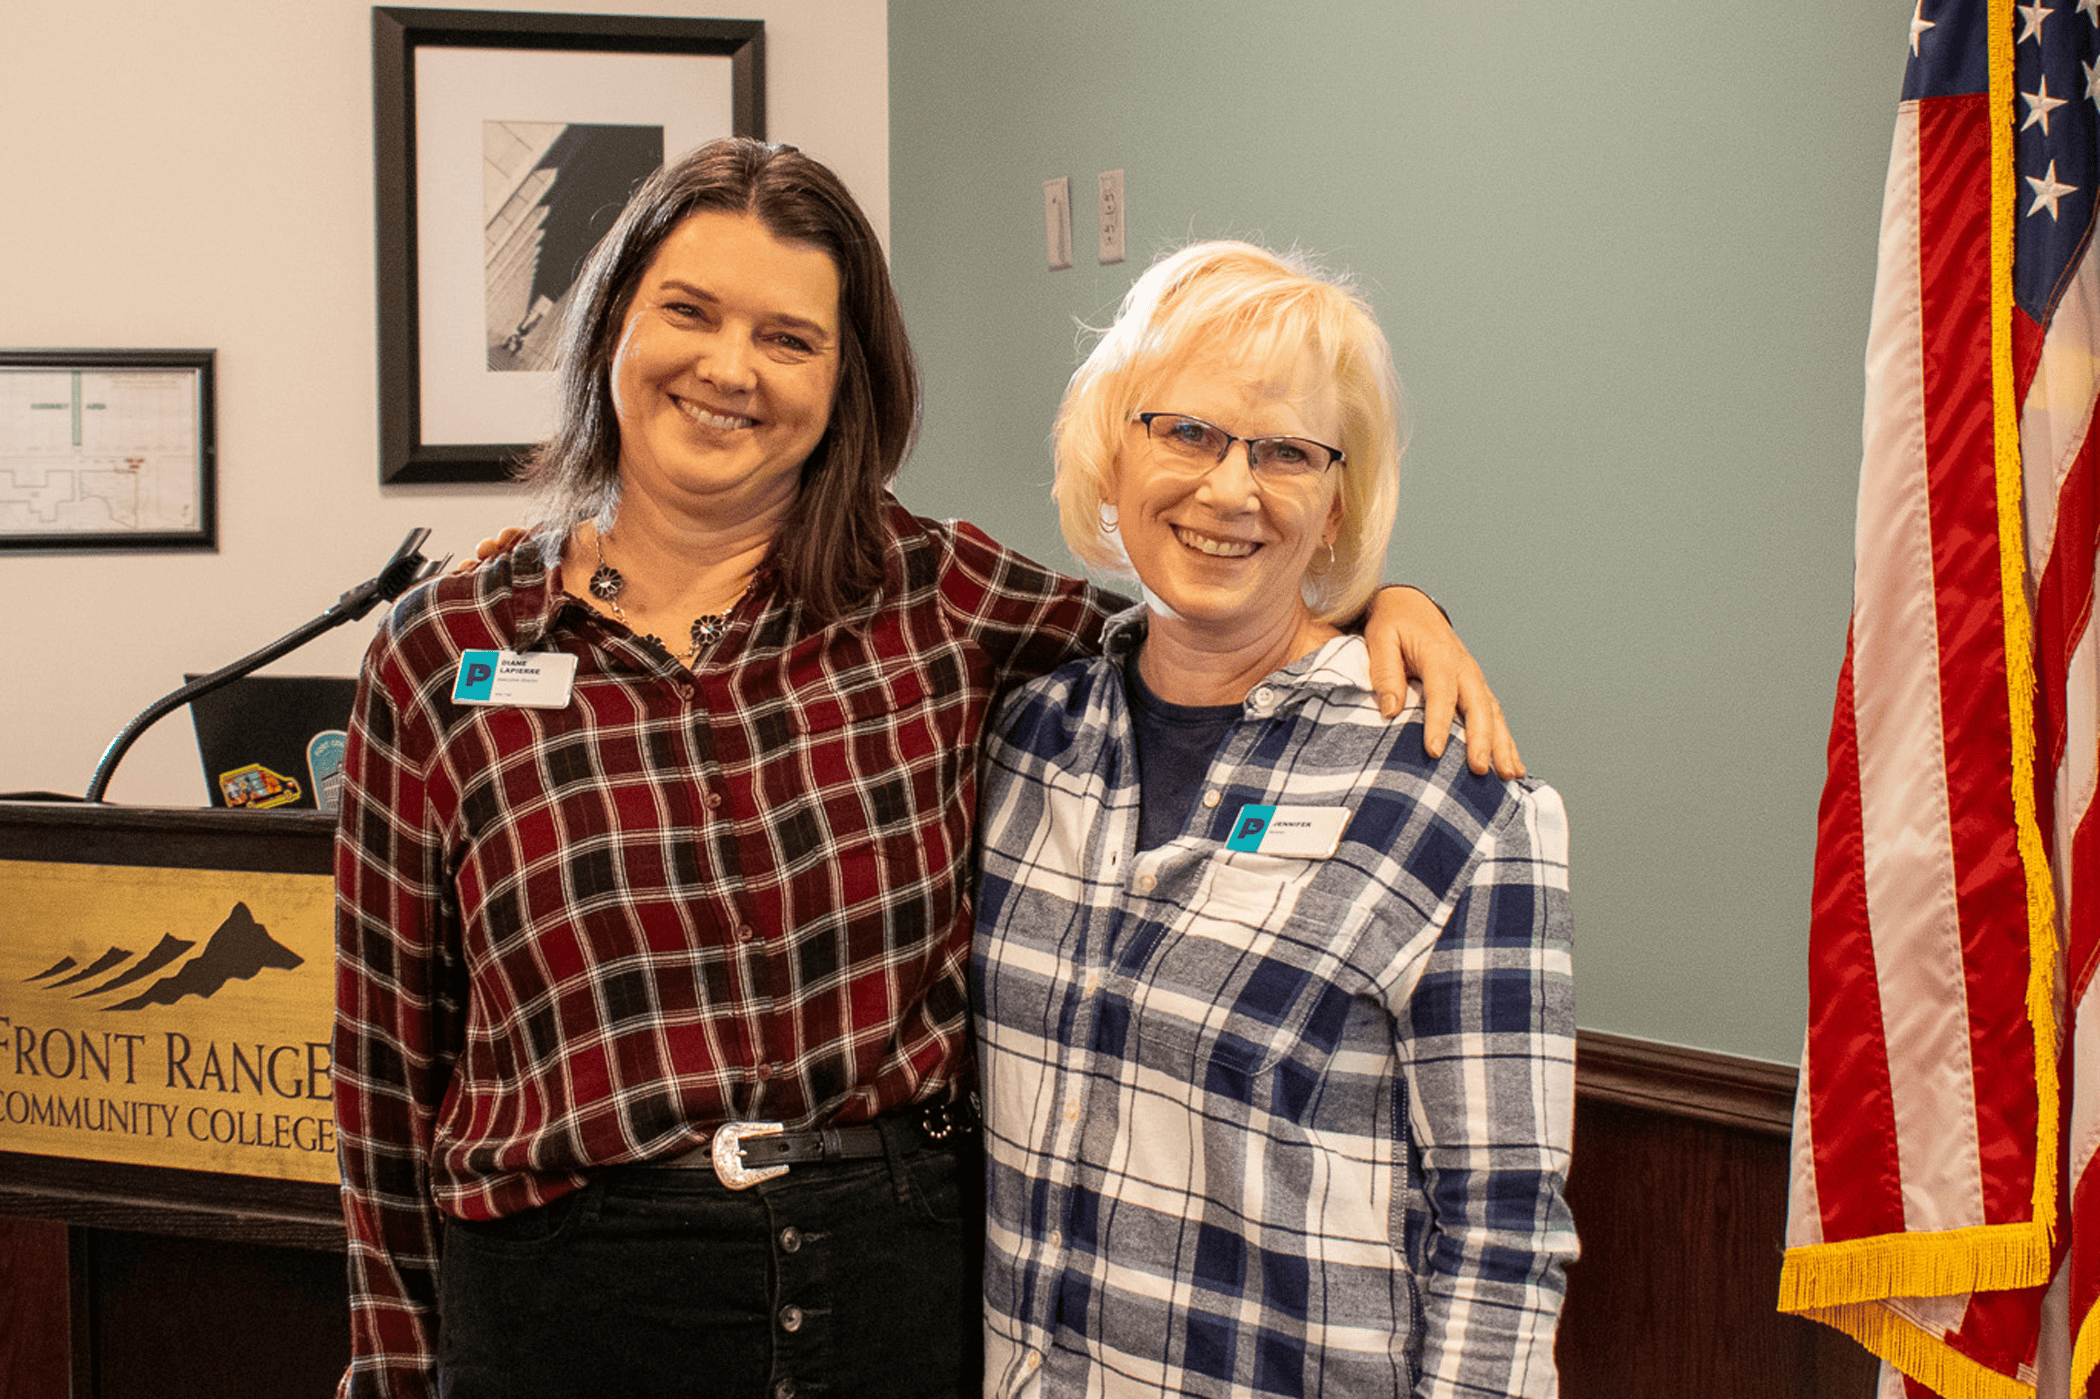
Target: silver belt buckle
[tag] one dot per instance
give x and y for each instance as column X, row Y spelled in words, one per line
column 728, row 1154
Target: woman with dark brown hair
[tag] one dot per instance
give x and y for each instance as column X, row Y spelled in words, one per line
column 654, row 857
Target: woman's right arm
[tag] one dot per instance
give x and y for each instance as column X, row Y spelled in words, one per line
column 392, row 998
column 1030, row 619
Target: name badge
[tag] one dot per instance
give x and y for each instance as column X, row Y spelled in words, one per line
column 538, row 680
column 1298, row 832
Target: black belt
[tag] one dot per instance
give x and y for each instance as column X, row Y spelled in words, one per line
column 742, row 1154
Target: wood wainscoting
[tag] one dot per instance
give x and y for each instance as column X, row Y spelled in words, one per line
column 125, row 1283
column 1679, row 1192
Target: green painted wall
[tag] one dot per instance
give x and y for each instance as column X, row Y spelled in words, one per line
column 1625, row 253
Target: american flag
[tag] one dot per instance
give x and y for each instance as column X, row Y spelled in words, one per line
column 1942, row 1140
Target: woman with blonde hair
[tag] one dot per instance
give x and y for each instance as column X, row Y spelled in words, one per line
column 1275, row 1013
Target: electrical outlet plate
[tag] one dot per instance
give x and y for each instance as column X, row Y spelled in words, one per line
column 1111, row 216
column 1057, row 221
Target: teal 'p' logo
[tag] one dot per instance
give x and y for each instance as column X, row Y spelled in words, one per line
column 477, row 676
column 1248, row 826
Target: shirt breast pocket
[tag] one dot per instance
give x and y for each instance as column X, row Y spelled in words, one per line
column 869, row 788
column 1243, row 990
column 836, row 790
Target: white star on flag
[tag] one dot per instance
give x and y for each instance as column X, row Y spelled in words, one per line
column 2034, row 15
column 2047, row 192
column 2039, row 106
column 1919, row 24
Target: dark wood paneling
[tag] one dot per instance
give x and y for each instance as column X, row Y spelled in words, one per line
column 1682, row 1225
column 200, row 1319
column 35, row 1297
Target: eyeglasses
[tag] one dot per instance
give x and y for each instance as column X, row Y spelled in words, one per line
column 1204, row 444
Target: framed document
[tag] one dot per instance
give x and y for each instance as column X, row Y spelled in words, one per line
column 506, row 144
column 107, row 449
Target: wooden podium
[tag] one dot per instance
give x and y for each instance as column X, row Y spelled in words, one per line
column 168, row 1222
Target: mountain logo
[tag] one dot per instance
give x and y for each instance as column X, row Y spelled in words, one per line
column 239, row 950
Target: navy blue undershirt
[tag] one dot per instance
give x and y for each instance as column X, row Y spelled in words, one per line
column 1175, row 745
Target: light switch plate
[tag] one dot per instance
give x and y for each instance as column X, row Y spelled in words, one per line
column 1057, row 221
column 1111, row 216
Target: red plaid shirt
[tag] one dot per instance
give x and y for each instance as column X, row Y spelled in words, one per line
column 570, row 938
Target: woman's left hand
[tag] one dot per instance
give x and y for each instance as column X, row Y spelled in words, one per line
column 1408, row 635
column 489, row 548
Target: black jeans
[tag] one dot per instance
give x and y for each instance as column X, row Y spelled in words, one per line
column 833, row 1281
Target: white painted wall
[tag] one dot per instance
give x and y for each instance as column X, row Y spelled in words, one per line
column 201, row 175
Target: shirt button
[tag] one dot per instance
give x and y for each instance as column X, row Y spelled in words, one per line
column 685, row 692
column 714, row 801
column 791, row 1318
column 1210, row 798
column 1057, row 1239
column 790, row 1239
column 743, row 932
column 1264, row 698
column 764, row 1072
column 783, row 1389
column 1147, row 883
column 1072, row 1113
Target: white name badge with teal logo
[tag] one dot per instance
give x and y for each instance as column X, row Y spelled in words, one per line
column 1296, row 832
column 538, row 680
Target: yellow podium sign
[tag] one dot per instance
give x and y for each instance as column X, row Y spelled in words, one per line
column 168, row 1017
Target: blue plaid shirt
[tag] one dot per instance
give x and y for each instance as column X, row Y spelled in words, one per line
column 1260, row 1124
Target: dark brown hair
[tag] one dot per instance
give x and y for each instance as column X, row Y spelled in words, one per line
column 828, row 554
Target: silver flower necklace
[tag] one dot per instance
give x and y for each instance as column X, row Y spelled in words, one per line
column 607, row 583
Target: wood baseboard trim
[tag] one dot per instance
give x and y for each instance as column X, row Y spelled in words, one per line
column 1702, row 1085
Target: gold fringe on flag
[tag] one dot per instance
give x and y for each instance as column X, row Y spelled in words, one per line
column 2086, row 1354
column 1921, row 1355
column 1981, row 1258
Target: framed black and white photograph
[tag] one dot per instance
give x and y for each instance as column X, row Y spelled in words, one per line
column 107, row 449
column 506, row 144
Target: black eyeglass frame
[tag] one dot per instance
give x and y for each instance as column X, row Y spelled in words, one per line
column 1336, row 456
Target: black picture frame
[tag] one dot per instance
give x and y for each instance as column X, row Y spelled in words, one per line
column 417, row 358
column 171, row 514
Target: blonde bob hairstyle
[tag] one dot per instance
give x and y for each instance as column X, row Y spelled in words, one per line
column 1227, row 301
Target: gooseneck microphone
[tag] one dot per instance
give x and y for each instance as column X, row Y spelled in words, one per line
column 403, row 571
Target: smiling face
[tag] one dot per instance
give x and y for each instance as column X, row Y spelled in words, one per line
column 1222, row 554
column 726, row 367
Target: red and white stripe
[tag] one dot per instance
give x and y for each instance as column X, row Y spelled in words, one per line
column 1919, row 978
